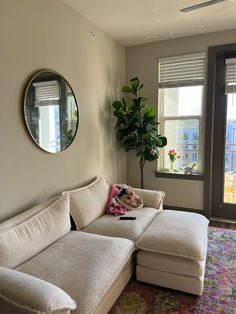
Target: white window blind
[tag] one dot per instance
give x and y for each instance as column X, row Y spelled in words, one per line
column 46, row 93
column 230, row 79
column 185, row 70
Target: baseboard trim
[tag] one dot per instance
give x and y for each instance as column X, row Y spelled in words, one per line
column 192, row 210
column 226, row 220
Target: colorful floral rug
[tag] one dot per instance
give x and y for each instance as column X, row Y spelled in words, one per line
column 219, row 290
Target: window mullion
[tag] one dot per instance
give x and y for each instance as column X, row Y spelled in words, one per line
column 197, row 117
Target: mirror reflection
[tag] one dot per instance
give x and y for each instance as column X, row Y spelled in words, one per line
column 51, row 111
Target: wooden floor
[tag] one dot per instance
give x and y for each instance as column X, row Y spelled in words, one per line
column 222, row 224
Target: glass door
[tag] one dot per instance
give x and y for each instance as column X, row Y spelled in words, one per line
column 224, row 147
column 230, row 150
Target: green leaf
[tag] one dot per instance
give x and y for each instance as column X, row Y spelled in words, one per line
column 117, row 124
column 151, row 153
column 139, row 155
column 161, row 141
column 153, row 132
column 153, row 122
column 125, row 131
column 150, row 112
column 120, row 136
column 139, row 100
column 132, row 121
column 124, row 106
column 142, row 130
column 117, row 105
column 133, row 107
column 130, row 143
column 144, row 107
column 134, row 82
column 141, row 148
column 127, row 89
column 141, row 86
column 118, row 114
column 143, row 99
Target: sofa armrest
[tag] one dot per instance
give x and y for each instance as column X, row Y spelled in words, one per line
column 151, row 198
column 24, row 294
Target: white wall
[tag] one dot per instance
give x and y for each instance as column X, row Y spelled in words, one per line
column 49, row 34
column 142, row 62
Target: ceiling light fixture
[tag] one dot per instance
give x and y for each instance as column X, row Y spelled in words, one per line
column 200, row 5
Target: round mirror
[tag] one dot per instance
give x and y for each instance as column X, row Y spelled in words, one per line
column 50, row 111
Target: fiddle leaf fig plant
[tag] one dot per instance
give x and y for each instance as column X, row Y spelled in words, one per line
column 136, row 125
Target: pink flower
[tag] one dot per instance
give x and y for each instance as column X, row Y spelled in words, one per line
column 173, row 155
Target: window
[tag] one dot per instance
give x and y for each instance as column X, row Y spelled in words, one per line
column 180, row 102
column 47, row 95
column 195, row 137
column 194, row 157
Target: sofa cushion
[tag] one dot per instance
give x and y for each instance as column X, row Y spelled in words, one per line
column 170, row 263
column 189, row 284
column 151, row 198
column 130, row 229
column 22, row 293
column 176, row 233
column 87, row 266
column 27, row 234
column 89, row 202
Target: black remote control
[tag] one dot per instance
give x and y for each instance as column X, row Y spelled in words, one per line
column 127, row 218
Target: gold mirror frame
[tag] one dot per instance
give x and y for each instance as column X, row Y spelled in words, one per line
column 26, row 90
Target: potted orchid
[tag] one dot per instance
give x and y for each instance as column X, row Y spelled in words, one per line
column 173, row 156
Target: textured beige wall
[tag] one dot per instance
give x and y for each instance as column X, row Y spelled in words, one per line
column 49, row 34
column 142, row 62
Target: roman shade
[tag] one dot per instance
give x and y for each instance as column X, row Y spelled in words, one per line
column 185, row 70
column 46, row 93
column 230, row 77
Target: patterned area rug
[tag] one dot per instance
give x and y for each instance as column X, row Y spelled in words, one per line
column 219, row 290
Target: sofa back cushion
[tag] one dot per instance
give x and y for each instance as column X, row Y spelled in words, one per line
column 27, row 234
column 89, row 202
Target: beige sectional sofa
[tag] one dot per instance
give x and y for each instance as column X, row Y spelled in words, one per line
column 45, row 267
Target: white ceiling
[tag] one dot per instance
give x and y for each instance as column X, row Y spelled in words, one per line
column 133, row 22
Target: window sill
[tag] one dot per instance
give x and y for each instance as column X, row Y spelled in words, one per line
column 182, row 176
